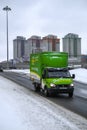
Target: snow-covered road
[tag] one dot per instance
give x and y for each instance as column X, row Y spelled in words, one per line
column 20, row 109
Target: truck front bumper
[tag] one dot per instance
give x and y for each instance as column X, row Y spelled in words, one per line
column 69, row 89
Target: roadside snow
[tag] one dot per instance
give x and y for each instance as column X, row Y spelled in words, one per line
column 80, row 74
column 21, row 109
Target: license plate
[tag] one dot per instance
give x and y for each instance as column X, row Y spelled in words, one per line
column 63, row 88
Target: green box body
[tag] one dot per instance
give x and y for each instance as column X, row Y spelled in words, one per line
column 42, row 60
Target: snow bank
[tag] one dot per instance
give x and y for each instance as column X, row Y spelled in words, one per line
column 19, row 70
column 80, row 74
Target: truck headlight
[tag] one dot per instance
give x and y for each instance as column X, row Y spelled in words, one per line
column 52, row 85
column 71, row 85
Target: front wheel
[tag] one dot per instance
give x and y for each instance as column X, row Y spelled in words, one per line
column 71, row 94
column 46, row 93
column 36, row 87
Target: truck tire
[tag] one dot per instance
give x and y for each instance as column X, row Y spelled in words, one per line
column 71, row 95
column 46, row 93
column 36, row 87
column 41, row 91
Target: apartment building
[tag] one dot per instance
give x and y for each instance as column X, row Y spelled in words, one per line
column 22, row 48
column 32, row 45
column 50, row 43
column 72, row 45
column 19, row 47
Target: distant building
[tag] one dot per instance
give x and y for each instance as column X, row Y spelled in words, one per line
column 19, row 47
column 50, row 43
column 84, row 60
column 36, row 44
column 22, row 48
column 32, row 45
column 72, row 45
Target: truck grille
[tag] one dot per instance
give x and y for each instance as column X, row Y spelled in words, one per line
column 62, row 86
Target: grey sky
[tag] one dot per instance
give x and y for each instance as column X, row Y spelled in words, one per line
column 42, row 17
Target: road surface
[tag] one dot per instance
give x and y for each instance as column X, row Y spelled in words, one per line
column 77, row 104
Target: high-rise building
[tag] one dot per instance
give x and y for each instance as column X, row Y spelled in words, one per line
column 23, row 48
column 72, row 45
column 32, row 45
column 36, row 44
column 50, row 43
column 19, row 47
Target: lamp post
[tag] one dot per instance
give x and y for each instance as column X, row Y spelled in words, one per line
column 7, row 9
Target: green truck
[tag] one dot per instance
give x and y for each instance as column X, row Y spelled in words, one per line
column 49, row 73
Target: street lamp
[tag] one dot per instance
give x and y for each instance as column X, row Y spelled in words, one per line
column 7, row 9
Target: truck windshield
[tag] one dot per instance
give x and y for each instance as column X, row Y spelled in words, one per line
column 58, row 73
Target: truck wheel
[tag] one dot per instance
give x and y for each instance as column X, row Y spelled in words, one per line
column 71, row 94
column 41, row 91
column 46, row 92
column 36, row 87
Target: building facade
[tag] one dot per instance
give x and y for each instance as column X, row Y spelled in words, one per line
column 50, row 43
column 32, row 45
column 72, row 45
column 22, row 48
column 84, row 61
column 19, row 47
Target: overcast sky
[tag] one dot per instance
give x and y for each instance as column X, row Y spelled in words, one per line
column 42, row 17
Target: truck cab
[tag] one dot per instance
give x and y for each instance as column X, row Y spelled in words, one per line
column 57, row 80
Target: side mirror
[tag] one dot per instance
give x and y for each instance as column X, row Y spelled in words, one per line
column 73, row 76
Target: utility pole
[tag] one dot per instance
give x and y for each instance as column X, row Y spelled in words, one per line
column 7, row 9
